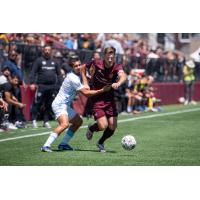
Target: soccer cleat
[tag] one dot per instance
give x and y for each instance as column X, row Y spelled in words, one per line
column 34, row 124
column 193, row 102
column 89, row 133
column 11, row 126
column 101, row 147
column 46, row 149
column 65, row 147
column 46, row 125
column 19, row 124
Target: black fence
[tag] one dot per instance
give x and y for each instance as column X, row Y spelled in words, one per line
column 162, row 69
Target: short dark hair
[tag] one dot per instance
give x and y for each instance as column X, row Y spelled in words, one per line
column 47, row 45
column 72, row 59
column 15, row 76
column 5, row 67
column 109, row 48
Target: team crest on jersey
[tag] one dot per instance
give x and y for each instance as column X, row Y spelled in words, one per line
column 44, row 62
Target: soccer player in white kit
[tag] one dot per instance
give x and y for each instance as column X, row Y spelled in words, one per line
column 62, row 109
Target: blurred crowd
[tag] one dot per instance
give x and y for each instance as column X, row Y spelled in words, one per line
column 142, row 63
column 133, row 51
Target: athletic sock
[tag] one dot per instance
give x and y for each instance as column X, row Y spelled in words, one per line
column 68, row 136
column 52, row 137
column 129, row 109
column 94, row 127
column 106, row 134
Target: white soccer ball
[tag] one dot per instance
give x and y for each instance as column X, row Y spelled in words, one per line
column 128, row 142
column 181, row 99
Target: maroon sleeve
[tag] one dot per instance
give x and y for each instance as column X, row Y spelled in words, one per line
column 89, row 64
column 118, row 67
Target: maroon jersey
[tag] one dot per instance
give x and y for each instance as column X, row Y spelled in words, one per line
column 102, row 76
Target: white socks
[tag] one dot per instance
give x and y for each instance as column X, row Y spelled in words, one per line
column 52, row 137
column 129, row 109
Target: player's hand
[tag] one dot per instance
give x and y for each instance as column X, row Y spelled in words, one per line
column 115, row 86
column 106, row 88
column 33, row 87
column 21, row 105
column 87, row 87
column 3, row 105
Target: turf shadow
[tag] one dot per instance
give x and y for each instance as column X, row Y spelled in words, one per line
column 89, row 150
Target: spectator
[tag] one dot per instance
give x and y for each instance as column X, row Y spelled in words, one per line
column 3, row 109
column 113, row 41
column 44, row 76
column 85, row 41
column 188, row 77
column 15, row 106
column 30, row 53
column 70, row 41
column 11, row 62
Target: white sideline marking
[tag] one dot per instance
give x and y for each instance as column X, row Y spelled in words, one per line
column 119, row 121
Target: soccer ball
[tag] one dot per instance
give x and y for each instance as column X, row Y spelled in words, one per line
column 181, row 99
column 128, row 142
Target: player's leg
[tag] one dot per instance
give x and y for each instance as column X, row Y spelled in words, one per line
column 61, row 114
column 36, row 106
column 100, row 124
column 109, row 131
column 48, row 99
column 75, row 121
column 111, row 113
column 63, row 121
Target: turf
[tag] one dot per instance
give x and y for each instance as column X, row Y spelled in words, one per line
column 171, row 140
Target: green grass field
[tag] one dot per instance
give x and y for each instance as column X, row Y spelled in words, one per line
column 167, row 138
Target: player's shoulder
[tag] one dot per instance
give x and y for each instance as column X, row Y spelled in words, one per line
column 98, row 63
column 7, row 86
column 72, row 76
column 39, row 59
column 117, row 67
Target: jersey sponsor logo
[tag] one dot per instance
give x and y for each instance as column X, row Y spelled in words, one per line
column 39, row 94
column 48, row 67
column 44, row 62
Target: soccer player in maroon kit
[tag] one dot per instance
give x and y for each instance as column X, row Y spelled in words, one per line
column 105, row 72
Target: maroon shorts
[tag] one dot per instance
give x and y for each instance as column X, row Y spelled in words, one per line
column 101, row 108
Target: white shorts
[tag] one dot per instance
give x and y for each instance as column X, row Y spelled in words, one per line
column 60, row 109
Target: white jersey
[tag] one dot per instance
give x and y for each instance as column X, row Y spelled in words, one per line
column 68, row 90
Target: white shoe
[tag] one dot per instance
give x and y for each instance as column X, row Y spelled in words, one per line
column 89, row 133
column 46, row 125
column 186, row 102
column 193, row 102
column 101, row 148
column 11, row 126
column 34, row 124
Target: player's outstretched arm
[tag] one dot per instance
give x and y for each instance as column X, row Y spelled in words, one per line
column 84, row 77
column 122, row 78
column 89, row 93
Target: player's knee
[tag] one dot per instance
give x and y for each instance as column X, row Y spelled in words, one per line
column 103, row 127
column 64, row 125
column 112, row 126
